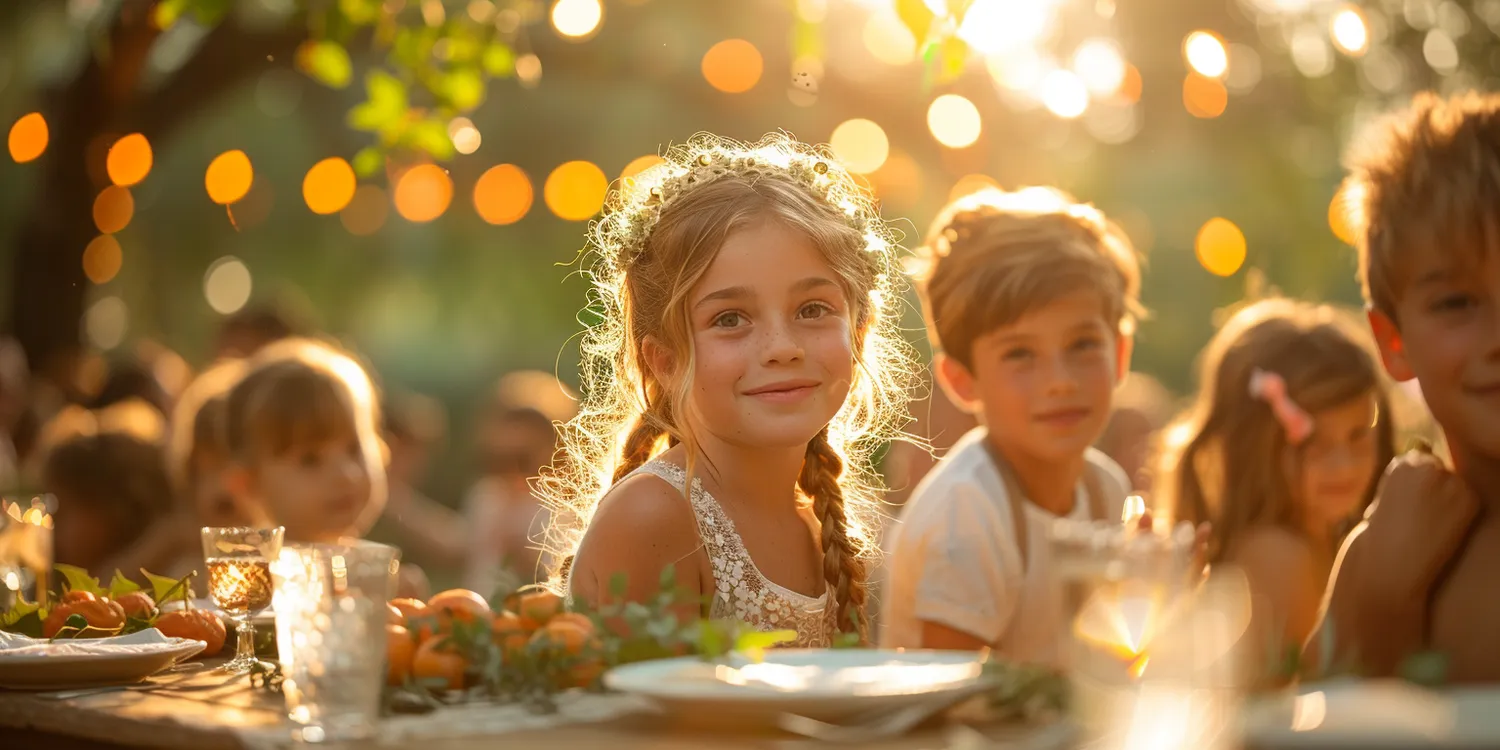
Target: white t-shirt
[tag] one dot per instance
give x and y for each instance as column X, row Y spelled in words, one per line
column 954, row 559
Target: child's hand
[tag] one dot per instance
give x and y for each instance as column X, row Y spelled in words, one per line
column 1418, row 523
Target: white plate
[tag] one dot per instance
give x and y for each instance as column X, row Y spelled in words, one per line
column 1375, row 714
column 825, row 684
column 93, row 662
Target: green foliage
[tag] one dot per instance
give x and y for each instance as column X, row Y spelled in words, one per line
column 164, row 589
column 327, row 62
column 24, row 618
column 78, row 579
column 120, row 585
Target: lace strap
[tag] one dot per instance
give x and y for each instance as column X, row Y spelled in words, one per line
column 715, row 530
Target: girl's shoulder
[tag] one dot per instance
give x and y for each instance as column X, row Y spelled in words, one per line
column 646, row 506
column 1273, row 553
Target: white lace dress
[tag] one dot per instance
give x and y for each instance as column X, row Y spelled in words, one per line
column 741, row 592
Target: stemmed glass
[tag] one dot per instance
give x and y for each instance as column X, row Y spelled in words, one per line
column 239, row 581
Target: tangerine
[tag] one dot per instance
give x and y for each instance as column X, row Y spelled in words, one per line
column 459, row 604
column 394, row 616
column 537, row 608
column 102, row 614
column 410, row 607
column 437, row 659
column 508, row 635
column 197, row 624
column 400, row 650
column 137, row 604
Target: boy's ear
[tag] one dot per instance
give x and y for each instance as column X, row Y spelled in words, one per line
column 957, row 382
column 1392, row 347
column 659, row 359
column 1124, row 349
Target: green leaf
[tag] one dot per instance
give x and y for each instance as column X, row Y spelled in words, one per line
column 368, row 161
column 431, row 136
column 754, row 640
column 386, row 91
column 498, row 60
column 368, row 118
column 360, row 12
column 135, row 625
column 328, row 63
column 1429, row 669
column 845, row 640
column 120, row 585
column 668, row 579
column 167, row 12
column 18, row 612
column 164, row 588
column 29, row 623
column 79, row 579
column 464, row 89
column 917, row 18
column 619, row 583
column 710, row 640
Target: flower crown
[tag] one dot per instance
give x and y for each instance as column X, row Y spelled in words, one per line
column 637, row 203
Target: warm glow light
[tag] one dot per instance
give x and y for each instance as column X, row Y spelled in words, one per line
column 466, row 138
column 328, row 186
column 1021, row 71
column 1064, row 94
column 970, row 184
column 954, row 121
column 1220, row 247
column 106, row 321
column 423, row 193
column 992, row 26
column 1309, row 711
column 639, row 165
column 888, row 40
column 503, row 194
column 861, row 145
column 226, row 285
column 529, row 69
column 732, row 66
column 1349, row 31
column 113, row 209
column 575, row 190
column 1099, row 63
column 898, row 181
column 1206, row 54
column 1130, row 87
column 1343, row 213
column 576, row 19
column 129, row 160
column 1204, row 97
column 102, row 259
column 229, row 177
column 28, row 138
column 366, row 212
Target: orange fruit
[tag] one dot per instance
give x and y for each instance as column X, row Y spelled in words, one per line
column 459, row 604
column 394, row 616
column 585, row 673
column 578, row 618
column 77, row 596
column 410, row 607
column 137, row 604
column 197, row 624
column 508, row 635
column 99, row 613
column 566, row 637
column 400, row 650
column 437, row 659
column 537, row 608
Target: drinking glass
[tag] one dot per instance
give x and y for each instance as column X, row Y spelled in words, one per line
column 25, row 547
column 239, row 581
column 330, row 632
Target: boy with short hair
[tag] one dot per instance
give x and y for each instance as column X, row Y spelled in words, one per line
column 1417, row 576
column 1031, row 298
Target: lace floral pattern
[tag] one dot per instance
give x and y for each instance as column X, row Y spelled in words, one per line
column 741, row 591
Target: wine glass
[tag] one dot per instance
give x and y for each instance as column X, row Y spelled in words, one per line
column 239, row 581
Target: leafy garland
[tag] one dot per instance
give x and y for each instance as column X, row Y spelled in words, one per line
column 27, row 618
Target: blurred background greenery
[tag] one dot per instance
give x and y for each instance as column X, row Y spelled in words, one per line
column 415, row 176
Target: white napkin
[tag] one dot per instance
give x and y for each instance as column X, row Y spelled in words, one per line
column 151, row 640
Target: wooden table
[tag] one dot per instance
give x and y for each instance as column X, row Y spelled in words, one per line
column 207, row 711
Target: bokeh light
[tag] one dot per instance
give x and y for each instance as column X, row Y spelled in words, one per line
column 1349, row 31
column 994, row 26
column 113, row 209
column 1205, row 53
column 528, row 69
column 366, row 212
column 888, row 40
column 733, row 66
column 575, row 190
column 639, row 165
column 1204, row 97
column 227, row 285
column 229, row 177
column 129, row 160
column 861, row 145
column 106, row 322
column 328, row 186
column 1101, row 66
column 102, row 259
column 1064, row 94
column 28, row 138
column 1344, row 213
column 423, row 193
column 1130, row 86
column 577, row 19
column 970, row 184
column 954, row 121
column 898, row 181
column 466, row 138
column 503, row 194
column 1220, row 247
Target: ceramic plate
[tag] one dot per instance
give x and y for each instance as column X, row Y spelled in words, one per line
column 100, row 661
column 1375, row 714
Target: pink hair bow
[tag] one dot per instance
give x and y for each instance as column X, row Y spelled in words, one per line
column 1271, row 388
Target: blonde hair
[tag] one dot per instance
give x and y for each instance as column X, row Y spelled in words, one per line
column 1425, row 180
column 993, row 256
column 658, row 235
column 1222, row 460
column 198, row 423
column 298, row 392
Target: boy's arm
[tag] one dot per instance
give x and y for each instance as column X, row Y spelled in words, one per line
column 963, row 599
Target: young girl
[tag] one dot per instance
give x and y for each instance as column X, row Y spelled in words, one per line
column 746, row 365
column 300, row 431
column 1280, row 454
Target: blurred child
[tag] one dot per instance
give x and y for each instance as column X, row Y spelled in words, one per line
column 1142, row 408
column 517, row 438
column 247, row 331
column 1279, row 454
column 1418, row 576
column 107, row 471
column 426, row 530
column 1031, row 300
column 304, row 453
